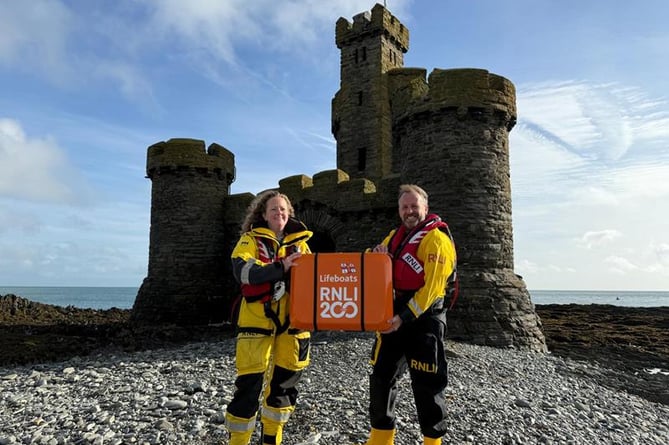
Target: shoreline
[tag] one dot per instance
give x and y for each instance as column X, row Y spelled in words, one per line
column 104, row 297
column 630, row 341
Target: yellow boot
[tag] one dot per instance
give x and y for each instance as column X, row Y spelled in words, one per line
column 240, row 429
column 272, row 433
column 240, row 438
column 431, row 441
column 381, row 437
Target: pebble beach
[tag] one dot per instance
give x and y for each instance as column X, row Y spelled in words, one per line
column 178, row 395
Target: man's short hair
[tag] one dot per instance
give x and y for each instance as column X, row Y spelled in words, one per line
column 413, row 188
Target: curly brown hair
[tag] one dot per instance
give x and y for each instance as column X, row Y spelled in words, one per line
column 256, row 210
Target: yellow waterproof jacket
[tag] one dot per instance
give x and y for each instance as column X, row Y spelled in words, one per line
column 436, row 253
column 257, row 267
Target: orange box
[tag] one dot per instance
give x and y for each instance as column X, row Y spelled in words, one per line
column 341, row 292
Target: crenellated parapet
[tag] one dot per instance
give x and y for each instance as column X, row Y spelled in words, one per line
column 185, row 154
column 335, row 189
column 469, row 91
column 364, row 25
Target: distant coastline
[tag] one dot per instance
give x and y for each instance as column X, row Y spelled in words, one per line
column 615, row 298
column 124, row 297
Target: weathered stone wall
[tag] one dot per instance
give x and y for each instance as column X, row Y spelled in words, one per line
column 187, row 232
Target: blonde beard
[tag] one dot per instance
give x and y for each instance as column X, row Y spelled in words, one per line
column 414, row 221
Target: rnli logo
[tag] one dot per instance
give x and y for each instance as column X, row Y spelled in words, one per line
column 338, row 294
column 424, row 367
column 412, row 262
column 339, row 302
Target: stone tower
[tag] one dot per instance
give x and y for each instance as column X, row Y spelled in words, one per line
column 451, row 136
column 188, row 187
column 370, row 46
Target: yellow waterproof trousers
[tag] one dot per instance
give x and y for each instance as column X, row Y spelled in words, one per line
column 270, row 359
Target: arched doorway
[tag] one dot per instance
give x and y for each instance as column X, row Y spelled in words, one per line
column 323, row 222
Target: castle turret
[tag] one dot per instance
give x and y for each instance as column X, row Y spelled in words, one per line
column 370, row 46
column 451, row 136
column 186, row 260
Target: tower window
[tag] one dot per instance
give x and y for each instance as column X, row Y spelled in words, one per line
column 356, row 56
column 362, row 158
column 364, row 53
column 359, row 97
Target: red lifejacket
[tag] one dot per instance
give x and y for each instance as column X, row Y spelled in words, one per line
column 260, row 292
column 408, row 271
column 263, row 292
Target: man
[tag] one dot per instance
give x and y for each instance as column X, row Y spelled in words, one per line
column 424, row 262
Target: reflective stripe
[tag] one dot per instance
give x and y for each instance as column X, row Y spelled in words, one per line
column 377, row 348
column 246, row 269
column 239, row 425
column 415, row 308
column 277, row 416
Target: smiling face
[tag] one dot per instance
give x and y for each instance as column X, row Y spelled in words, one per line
column 276, row 214
column 412, row 209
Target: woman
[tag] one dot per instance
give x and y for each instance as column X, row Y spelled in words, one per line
column 271, row 242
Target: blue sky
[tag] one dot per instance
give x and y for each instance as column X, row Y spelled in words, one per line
column 88, row 86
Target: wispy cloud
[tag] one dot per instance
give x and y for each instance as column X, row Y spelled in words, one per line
column 225, row 28
column 310, row 140
column 235, row 42
column 599, row 238
column 232, row 43
column 585, row 139
column 662, row 252
column 620, row 265
column 598, row 122
column 36, row 169
column 585, row 175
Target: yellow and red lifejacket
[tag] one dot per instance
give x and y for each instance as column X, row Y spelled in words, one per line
column 408, row 269
column 269, row 250
column 263, row 291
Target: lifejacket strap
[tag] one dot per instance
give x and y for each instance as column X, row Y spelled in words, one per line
column 252, row 330
column 269, row 313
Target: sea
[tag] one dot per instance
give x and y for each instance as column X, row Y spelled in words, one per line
column 124, row 297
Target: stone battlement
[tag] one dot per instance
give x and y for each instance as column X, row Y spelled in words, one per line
column 190, row 154
column 337, row 190
column 380, row 21
column 463, row 89
column 332, row 188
